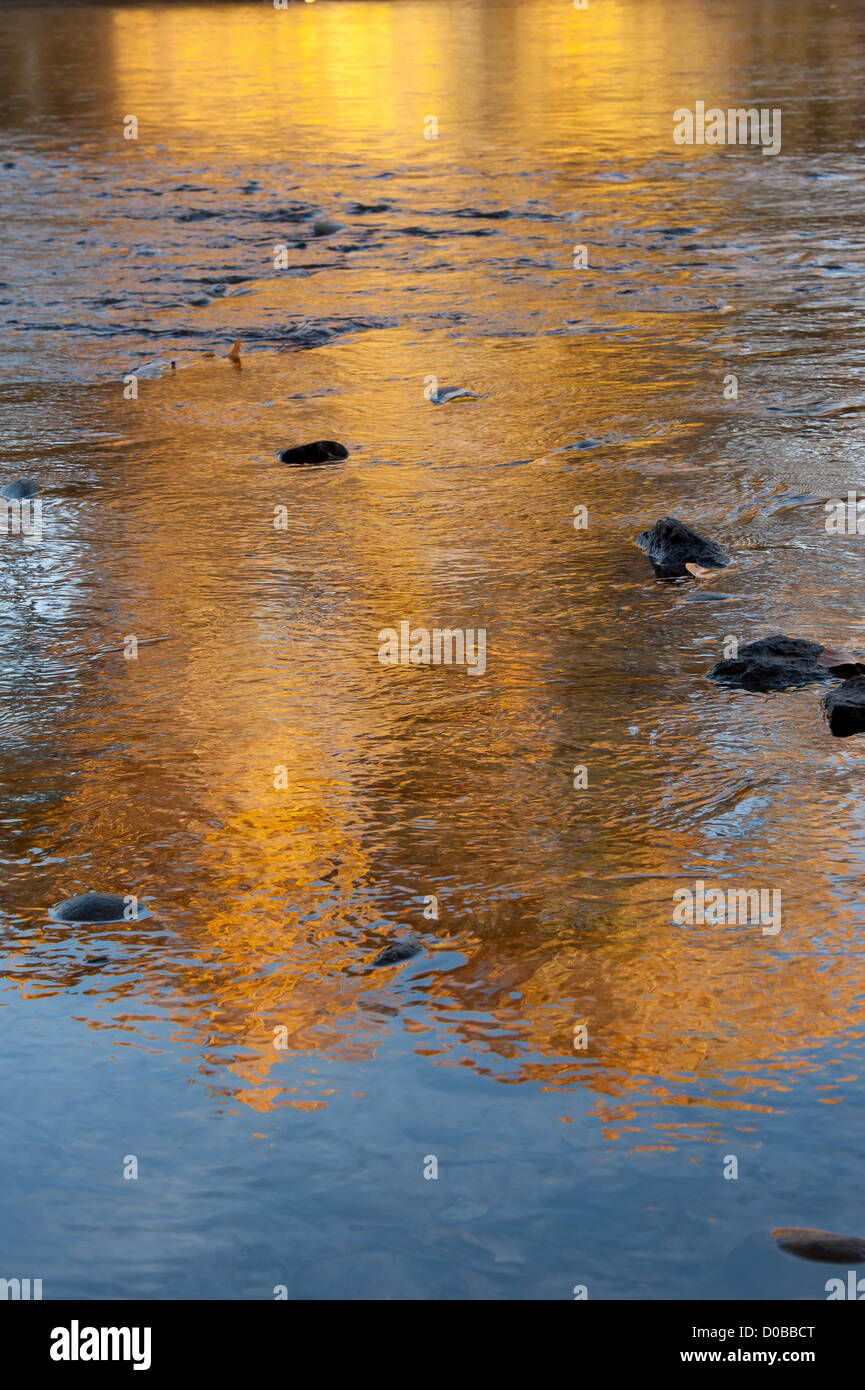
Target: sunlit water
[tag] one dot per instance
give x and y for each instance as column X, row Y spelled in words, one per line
column 288, row 805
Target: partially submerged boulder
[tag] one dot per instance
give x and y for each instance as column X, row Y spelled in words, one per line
column 320, row 451
column 845, row 708
column 442, row 394
column 395, row 953
column 21, row 489
column 92, row 909
column 779, row 663
column 825, row 1246
column 671, row 545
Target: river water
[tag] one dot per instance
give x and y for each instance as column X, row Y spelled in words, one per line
column 286, row 804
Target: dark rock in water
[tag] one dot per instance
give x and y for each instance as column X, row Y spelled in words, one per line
column 443, row 394
column 322, row 451
column 395, row 953
column 776, row 663
column 93, row 908
column 841, row 663
column 20, row 489
column 325, row 226
column 845, row 708
column 824, row 1246
column 671, row 545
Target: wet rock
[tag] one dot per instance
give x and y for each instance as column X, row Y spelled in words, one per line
column 153, row 370
column 670, row 545
column 843, row 664
column 321, row 451
column 396, row 953
column 845, row 708
column 323, row 226
column 94, row 908
column 443, row 394
column 775, row 663
column 824, row 1246
column 21, row 488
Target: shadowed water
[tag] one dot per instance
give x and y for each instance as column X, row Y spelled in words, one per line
column 285, row 804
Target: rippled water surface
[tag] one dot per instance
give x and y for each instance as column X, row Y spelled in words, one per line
column 285, row 803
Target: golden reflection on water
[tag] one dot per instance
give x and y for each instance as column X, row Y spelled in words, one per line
column 399, row 784
column 524, row 72
column 276, row 888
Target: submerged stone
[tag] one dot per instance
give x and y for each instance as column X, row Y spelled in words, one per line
column 824, row 1246
column 21, row 488
column 321, row 451
column 845, row 708
column 671, row 545
column 93, row 908
column 775, row 663
column 396, row 953
column 443, row 394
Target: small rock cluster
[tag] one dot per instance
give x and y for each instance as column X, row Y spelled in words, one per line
column 773, row 663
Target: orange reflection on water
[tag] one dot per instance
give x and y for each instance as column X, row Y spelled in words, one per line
column 393, row 785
